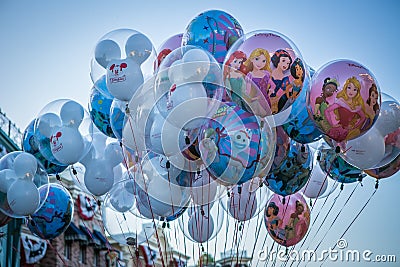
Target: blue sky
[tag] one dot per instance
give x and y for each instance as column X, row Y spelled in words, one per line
column 46, row 48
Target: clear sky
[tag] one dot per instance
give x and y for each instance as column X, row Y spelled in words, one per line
column 46, row 48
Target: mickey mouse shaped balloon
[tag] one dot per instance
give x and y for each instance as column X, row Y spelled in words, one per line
column 99, row 164
column 67, row 136
column 123, row 56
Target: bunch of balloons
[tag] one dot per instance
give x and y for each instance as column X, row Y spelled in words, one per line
column 215, row 118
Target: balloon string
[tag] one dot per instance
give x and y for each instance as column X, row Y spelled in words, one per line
column 311, row 209
column 217, row 223
column 324, row 219
column 257, row 233
column 355, row 218
column 41, row 235
column 333, row 222
column 148, row 197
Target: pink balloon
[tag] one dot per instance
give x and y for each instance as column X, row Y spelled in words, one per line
column 344, row 99
column 287, row 223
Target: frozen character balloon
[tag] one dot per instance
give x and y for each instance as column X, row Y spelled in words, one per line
column 282, row 62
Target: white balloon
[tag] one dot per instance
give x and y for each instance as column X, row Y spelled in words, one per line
column 175, row 72
column 389, row 117
column 201, row 227
column 99, row 177
column 7, row 178
column 204, row 189
column 365, row 151
column 188, row 106
column 138, row 48
column 242, row 206
column 120, row 198
column 144, row 211
column 317, row 184
column 196, row 65
column 25, row 165
column 23, row 197
column 124, row 77
column 113, row 154
column 67, row 145
column 47, row 122
column 72, row 114
column 105, row 51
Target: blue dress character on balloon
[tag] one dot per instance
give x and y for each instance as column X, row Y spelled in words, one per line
column 230, row 145
column 214, row 31
column 30, row 144
column 54, row 217
column 292, row 173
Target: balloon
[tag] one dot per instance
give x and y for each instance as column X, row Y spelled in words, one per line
column 293, row 173
column 126, row 228
column 25, row 165
column 54, row 217
column 204, row 190
column 385, row 171
column 47, row 122
column 119, row 46
column 19, row 195
column 271, row 85
column 301, row 127
column 166, row 47
column 123, row 78
column 388, row 124
column 120, row 197
column 366, row 151
column 99, row 109
column 339, row 99
column 68, row 142
column 67, row 145
column 318, row 186
column 337, row 168
column 118, row 117
column 23, row 197
column 242, row 206
column 287, row 223
column 201, row 227
column 71, row 114
column 7, row 178
column 213, row 30
column 229, row 145
column 31, row 143
column 187, row 80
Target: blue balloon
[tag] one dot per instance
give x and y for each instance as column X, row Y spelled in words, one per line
column 337, row 168
column 300, row 126
column 99, row 109
column 117, row 117
column 214, row 31
column 31, row 143
column 54, row 217
column 293, row 172
column 230, row 145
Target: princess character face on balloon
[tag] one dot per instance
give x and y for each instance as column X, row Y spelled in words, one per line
column 347, row 114
column 372, row 107
column 258, row 80
column 234, row 70
column 282, row 85
column 329, row 87
column 297, row 71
